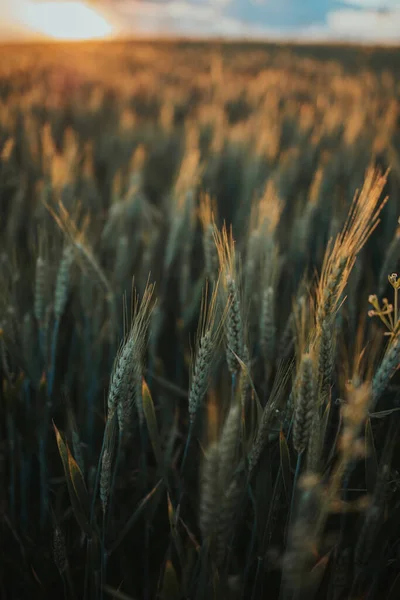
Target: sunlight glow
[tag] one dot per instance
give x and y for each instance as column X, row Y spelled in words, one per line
column 65, row 20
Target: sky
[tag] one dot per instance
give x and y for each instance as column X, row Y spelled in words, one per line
column 352, row 20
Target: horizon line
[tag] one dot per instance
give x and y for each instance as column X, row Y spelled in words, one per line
column 298, row 40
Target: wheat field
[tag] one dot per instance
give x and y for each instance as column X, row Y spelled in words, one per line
column 200, row 326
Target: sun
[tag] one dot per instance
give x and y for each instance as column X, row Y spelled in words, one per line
column 67, row 20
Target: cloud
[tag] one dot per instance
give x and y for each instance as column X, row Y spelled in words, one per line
column 273, row 19
column 365, row 25
column 188, row 18
column 269, row 18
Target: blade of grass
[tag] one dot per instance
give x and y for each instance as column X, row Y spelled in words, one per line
column 170, row 586
column 116, row 594
column 151, row 421
column 75, row 502
column 285, row 466
column 132, row 520
column 371, row 461
column 79, row 485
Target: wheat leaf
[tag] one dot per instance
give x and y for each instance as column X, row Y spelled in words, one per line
column 151, row 421
column 75, row 503
column 285, row 465
column 383, row 413
column 78, row 483
column 170, row 586
column 371, row 461
column 132, row 520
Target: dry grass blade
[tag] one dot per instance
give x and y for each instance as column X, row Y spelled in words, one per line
column 78, row 483
column 151, row 421
column 170, row 584
column 77, row 507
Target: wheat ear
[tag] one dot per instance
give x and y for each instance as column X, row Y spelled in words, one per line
column 63, row 281
column 386, row 370
column 234, row 331
column 267, row 325
column 305, row 404
column 208, row 337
